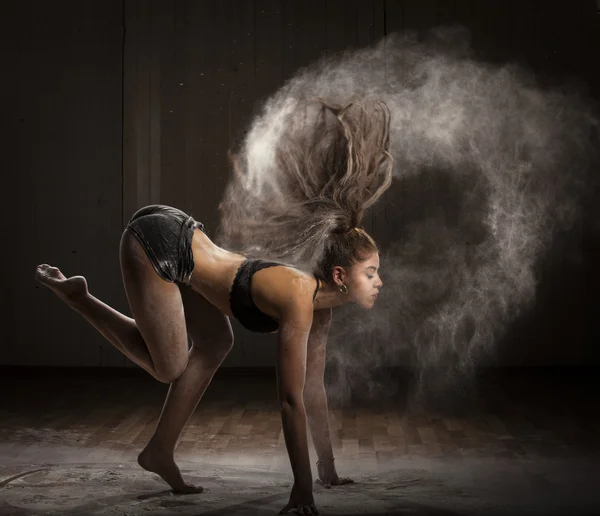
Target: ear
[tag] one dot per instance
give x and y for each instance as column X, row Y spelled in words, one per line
column 339, row 274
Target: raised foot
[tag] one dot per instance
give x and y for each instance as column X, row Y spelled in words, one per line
column 164, row 465
column 67, row 289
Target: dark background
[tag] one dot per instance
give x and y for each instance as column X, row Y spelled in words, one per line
column 111, row 105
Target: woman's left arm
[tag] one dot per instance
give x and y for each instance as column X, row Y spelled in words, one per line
column 315, row 399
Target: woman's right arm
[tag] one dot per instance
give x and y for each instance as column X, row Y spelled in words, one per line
column 294, row 328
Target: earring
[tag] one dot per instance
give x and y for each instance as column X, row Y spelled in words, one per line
column 344, row 289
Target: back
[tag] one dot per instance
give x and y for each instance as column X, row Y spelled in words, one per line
column 257, row 295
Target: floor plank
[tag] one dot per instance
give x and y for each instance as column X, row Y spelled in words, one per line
column 113, row 413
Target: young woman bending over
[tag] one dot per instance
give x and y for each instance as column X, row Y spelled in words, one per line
column 179, row 283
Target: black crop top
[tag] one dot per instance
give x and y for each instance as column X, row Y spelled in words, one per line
column 240, row 299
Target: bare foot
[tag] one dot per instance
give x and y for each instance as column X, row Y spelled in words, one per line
column 164, row 465
column 68, row 289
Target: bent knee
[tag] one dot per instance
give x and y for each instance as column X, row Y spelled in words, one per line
column 222, row 345
column 213, row 350
column 227, row 342
column 168, row 373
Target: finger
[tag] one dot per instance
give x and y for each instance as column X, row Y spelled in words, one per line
column 309, row 510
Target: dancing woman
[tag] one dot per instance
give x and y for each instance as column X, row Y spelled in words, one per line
column 179, row 283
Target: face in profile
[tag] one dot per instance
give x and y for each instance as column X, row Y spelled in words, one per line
column 363, row 281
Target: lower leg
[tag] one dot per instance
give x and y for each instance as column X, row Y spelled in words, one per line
column 119, row 330
column 182, row 398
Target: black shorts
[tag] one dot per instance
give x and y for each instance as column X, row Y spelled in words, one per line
column 166, row 233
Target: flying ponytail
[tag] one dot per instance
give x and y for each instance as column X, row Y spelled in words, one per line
column 303, row 180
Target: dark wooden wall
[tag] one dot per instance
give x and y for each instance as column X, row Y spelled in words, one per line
column 124, row 103
column 62, row 200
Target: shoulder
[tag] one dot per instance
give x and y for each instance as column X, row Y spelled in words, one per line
column 287, row 288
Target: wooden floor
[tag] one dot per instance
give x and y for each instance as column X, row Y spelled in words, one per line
column 103, row 414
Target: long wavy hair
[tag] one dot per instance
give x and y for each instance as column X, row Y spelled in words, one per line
column 301, row 184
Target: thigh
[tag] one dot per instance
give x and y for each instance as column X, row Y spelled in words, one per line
column 208, row 327
column 157, row 308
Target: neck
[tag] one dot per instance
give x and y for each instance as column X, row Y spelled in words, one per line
column 329, row 296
